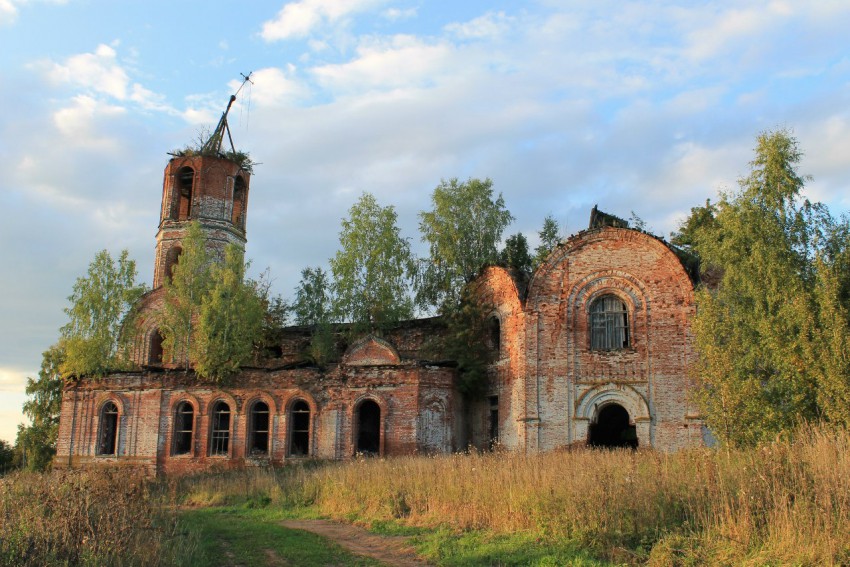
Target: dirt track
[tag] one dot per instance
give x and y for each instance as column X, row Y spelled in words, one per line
column 392, row 550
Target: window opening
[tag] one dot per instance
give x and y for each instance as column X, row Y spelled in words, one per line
column 108, row 439
column 184, row 421
column 220, row 437
column 369, row 428
column 172, row 257
column 259, row 429
column 238, row 217
column 299, row 435
column 609, row 324
column 612, row 429
column 185, row 183
column 495, row 334
column 155, row 355
column 494, row 421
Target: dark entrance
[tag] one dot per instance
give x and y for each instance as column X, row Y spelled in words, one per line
column 612, row 429
column 369, row 428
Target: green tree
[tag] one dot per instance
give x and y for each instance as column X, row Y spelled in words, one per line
column 550, row 237
column 7, row 457
column 752, row 330
column 184, row 294
column 462, row 230
column 372, row 270
column 313, row 300
column 829, row 354
column 100, row 305
column 36, row 443
column 515, row 254
column 701, row 218
column 230, row 320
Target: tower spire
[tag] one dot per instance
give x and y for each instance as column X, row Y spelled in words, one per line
column 213, row 145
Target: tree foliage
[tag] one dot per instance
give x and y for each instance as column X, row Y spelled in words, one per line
column 36, row 443
column 515, row 254
column 462, row 230
column 230, row 320
column 700, row 219
column 212, row 319
column 313, row 298
column 373, row 269
column 550, row 237
column 755, row 330
column 184, row 294
column 100, row 303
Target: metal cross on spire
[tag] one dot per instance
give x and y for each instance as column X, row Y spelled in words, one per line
column 213, row 145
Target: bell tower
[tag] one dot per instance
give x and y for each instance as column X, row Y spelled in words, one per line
column 207, row 186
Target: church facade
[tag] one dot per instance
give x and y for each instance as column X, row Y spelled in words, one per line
column 593, row 349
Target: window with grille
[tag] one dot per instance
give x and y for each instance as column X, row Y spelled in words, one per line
column 108, row 438
column 220, row 434
column 299, row 433
column 609, row 324
column 259, row 432
column 184, row 420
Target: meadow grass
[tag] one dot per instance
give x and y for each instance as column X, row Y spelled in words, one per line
column 786, row 502
column 103, row 517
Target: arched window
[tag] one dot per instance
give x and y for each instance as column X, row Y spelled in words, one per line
column 609, row 324
column 238, row 217
column 107, row 440
column 258, row 430
column 155, row 353
column 299, row 429
column 184, row 422
column 494, row 334
column 172, row 257
column 368, row 420
column 220, row 429
column 185, row 180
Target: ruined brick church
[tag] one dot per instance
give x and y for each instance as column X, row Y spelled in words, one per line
column 593, row 349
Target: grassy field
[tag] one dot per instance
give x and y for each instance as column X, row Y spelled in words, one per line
column 783, row 503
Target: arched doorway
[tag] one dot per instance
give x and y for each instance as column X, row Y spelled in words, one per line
column 612, row 428
column 368, row 419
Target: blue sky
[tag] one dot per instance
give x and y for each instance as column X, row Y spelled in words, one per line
column 647, row 106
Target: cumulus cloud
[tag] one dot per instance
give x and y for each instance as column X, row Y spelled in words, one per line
column 490, row 25
column 78, row 123
column 299, row 19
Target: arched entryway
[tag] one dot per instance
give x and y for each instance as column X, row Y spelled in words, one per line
column 612, row 428
column 368, row 424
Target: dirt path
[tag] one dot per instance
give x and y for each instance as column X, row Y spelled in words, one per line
column 392, row 550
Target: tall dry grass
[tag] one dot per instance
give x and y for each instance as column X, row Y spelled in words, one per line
column 783, row 503
column 105, row 517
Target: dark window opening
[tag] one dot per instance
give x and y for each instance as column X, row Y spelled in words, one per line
column 369, row 428
column 172, row 257
column 238, row 217
column 612, row 429
column 185, row 181
column 609, row 324
column 494, row 331
column 299, row 433
column 259, row 432
column 184, row 421
column 108, row 438
column 494, row 421
column 220, row 434
column 155, row 355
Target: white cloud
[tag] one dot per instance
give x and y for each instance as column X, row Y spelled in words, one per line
column 299, row 19
column 8, row 12
column 14, row 379
column 403, row 61
column 79, row 123
column 395, row 14
column 98, row 72
column 489, row 26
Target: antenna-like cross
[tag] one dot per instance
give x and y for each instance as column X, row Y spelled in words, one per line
column 213, row 145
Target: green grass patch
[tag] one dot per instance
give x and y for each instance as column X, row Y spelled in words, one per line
column 253, row 536
column 447, row 547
